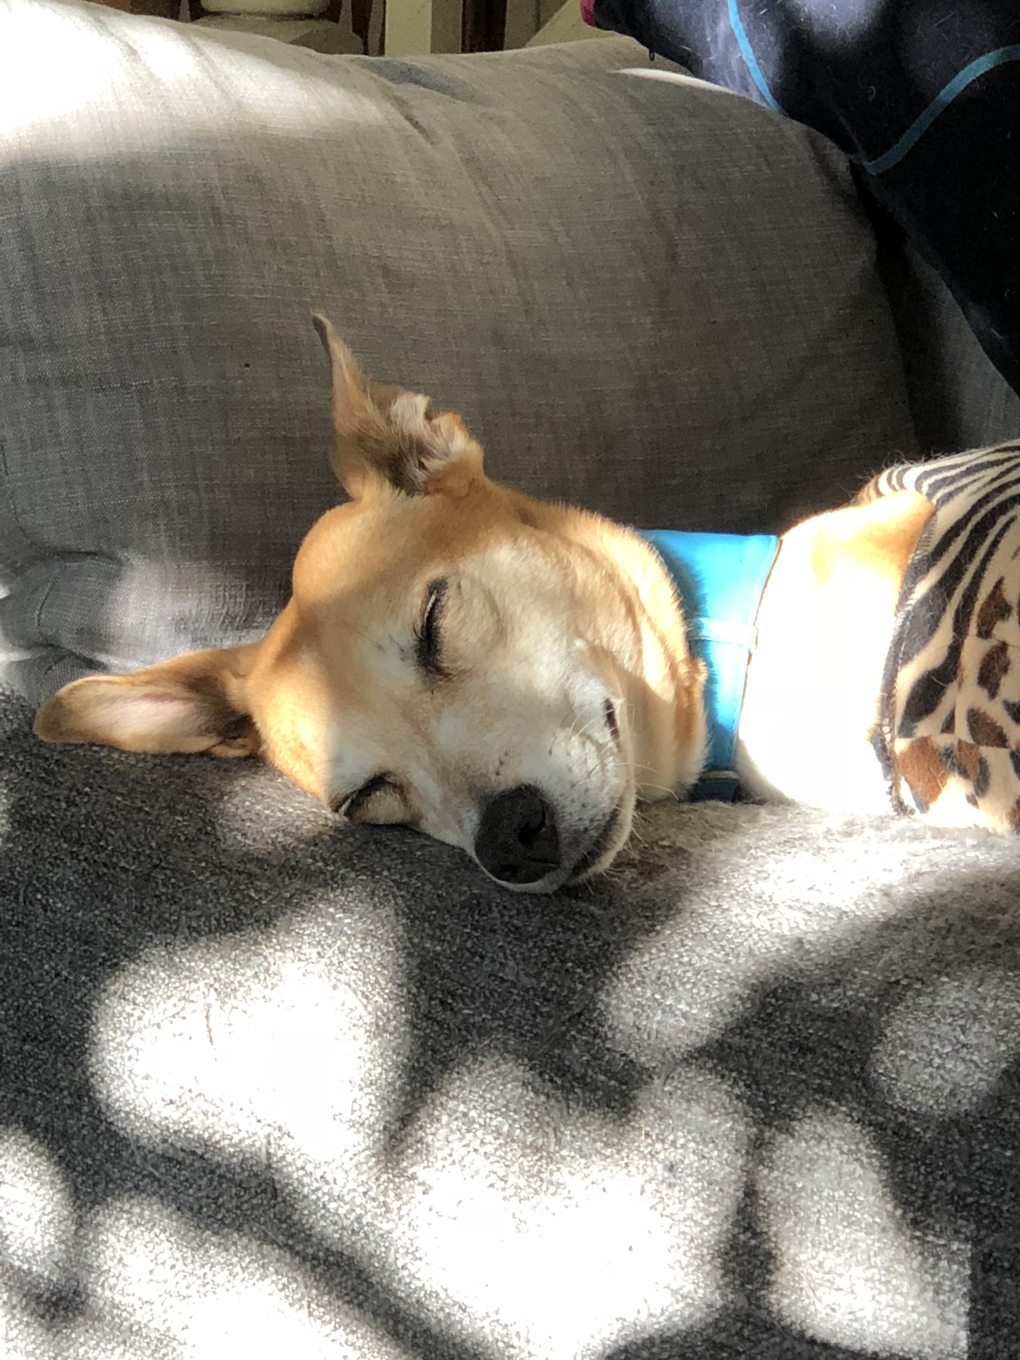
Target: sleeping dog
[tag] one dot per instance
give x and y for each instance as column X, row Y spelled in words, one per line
column 510, row 676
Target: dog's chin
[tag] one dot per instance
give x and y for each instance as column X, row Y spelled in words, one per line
column 611, row 839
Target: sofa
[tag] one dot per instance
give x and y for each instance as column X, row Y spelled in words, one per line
column 274, row 1086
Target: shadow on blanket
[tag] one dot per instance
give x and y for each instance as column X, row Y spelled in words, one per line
column 316, row 1091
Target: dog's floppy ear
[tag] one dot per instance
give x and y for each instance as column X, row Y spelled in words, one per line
column 386, row 435
column 193, row 703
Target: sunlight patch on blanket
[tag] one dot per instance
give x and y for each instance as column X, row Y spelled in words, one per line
column 37, row 1218
column 546, row 1231
column 683, row 985
column 259, row 810
column 270, row 1047
column 849, row 1269
column 150, row 1273
column 502, row 1214
column 946, row 1045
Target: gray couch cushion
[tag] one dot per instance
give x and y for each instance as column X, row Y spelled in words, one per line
column 646, row 296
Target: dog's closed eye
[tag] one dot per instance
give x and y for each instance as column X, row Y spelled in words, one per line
column 379, row 800
column 428, row 649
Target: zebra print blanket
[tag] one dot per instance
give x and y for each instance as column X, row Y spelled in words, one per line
column 950, row 715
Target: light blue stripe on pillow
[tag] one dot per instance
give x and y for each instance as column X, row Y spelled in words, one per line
column 880, row 164
column 747, row 51
column 978, row 67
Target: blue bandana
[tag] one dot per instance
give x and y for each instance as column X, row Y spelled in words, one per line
column 719, row 579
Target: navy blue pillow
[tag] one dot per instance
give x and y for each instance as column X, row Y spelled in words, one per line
column 924, row 95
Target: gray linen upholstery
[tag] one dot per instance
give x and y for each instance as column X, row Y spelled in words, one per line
column 281, row 1089
column 277, row 1089
column 648, row 297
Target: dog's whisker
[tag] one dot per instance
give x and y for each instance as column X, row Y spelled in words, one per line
column 663, row 788
column 580, row 733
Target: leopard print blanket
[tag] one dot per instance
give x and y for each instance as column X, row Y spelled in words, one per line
column 949, row 731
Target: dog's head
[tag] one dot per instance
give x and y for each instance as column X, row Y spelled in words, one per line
column 502, row 674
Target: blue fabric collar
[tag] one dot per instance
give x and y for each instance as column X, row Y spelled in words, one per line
column 719, row 579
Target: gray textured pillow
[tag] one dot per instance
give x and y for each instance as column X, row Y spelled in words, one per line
column 645, row 295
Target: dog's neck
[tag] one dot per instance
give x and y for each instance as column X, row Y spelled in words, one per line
column 719, row 579
column 794, row 663
column 825, row 623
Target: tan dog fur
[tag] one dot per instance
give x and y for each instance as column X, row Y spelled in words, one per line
column 555, row 657
column 562, row 660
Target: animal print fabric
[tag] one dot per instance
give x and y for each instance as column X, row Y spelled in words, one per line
column 950, row 703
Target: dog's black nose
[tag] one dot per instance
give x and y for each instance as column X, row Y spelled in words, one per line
column 517, row 840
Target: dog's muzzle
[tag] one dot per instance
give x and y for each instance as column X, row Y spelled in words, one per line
column 517, row 840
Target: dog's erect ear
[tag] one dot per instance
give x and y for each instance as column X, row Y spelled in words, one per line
column 384, row 434
column 193, row 703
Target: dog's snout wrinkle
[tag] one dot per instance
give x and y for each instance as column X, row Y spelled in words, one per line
column 517, row 840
